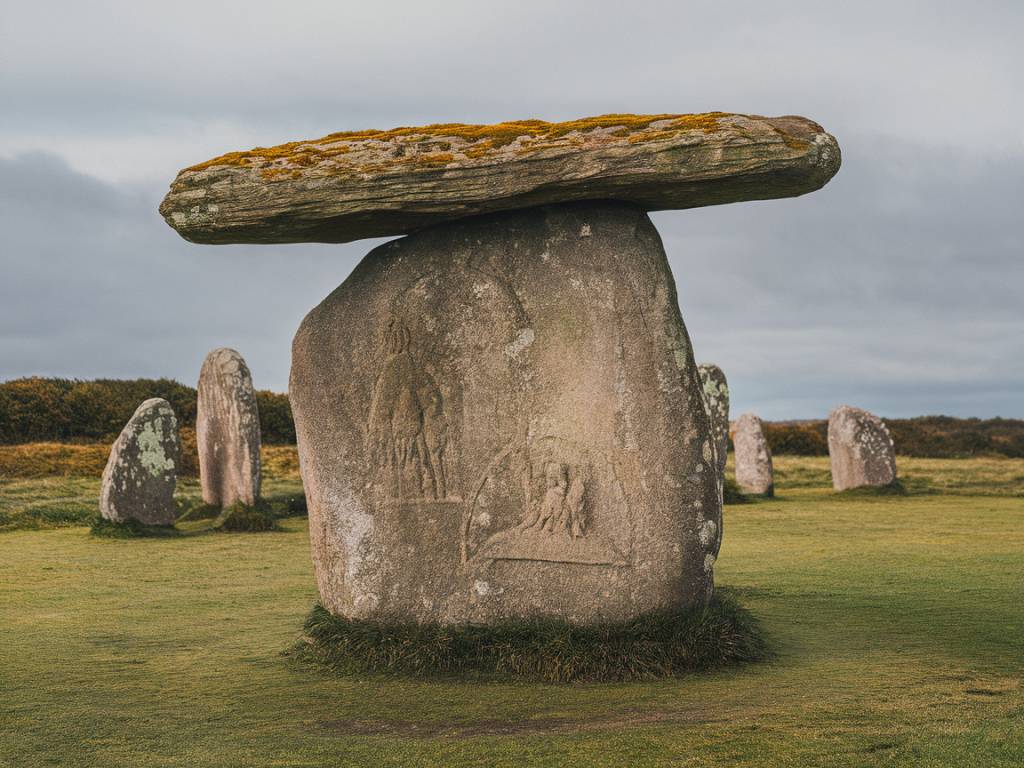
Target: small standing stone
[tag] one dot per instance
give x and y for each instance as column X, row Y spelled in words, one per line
column 141, row 473
column 228, row 431
column 753, row 456
column 716, row 402
column 861, row 449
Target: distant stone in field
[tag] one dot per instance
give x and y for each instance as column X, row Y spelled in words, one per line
column 861, row 449
column 227, row 430
column 753, row 456
column 141, row 473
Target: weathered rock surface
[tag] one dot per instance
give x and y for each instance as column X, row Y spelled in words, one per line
column 860, row 448
column 141, row 473
column 502, row 417
column 716, row 403
column 227, row 430
column 752, row 456
column 348, row 186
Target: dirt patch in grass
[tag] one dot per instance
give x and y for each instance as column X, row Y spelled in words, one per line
column 541, row 726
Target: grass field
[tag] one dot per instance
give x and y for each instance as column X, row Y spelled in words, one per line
column 897, row 624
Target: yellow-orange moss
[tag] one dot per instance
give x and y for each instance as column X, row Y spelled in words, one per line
column 477, row 140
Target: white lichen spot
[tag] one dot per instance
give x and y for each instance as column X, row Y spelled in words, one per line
column 482, row 588
column 707, row 533
column 680, row 355
column 366, row 603
column 585, row 230
column 152, row 456
column 709, row 563
column 522, row 341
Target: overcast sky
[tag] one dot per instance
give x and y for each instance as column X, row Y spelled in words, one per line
column 899, row 287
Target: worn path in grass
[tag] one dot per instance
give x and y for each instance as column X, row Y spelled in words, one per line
column 898, row 626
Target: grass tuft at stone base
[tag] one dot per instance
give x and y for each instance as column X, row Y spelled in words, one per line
column 242, row 518
column 130, row 529
column 656, row 645
column 731, row 493
column 895, row 488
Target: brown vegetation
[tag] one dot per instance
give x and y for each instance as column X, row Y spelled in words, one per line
column 64, row 410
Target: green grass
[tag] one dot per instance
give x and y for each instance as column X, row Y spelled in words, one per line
column 896, row 625
column 660, row 644
column 129, row 529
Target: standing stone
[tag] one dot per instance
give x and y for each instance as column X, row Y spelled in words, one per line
column 502, row 417
column 227, row 430
column 860, row 448
column 716, row 403
column 141, row 473
column 753, row 456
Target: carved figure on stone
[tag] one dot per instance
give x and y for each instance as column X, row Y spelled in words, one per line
column 407, row 430
column 561, row 509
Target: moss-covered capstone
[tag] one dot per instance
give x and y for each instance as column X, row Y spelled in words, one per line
column 351, row 185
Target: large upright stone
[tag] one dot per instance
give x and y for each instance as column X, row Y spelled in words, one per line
column 227, row 430
column 141, row 473
column 502, row 417
column 860, row 448
column 752, row 455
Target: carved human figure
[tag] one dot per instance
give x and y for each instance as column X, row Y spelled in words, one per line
column 561, row 509
column 576, row 520
column 557, row 479
column 407, row 429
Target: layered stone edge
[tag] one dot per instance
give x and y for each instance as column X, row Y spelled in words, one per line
column 352, row 185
